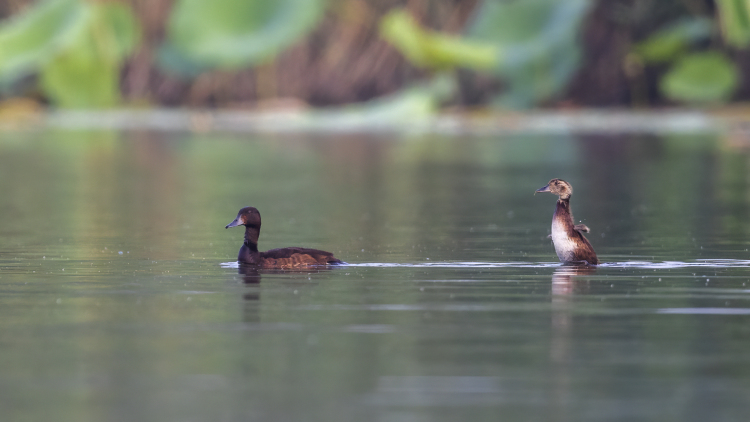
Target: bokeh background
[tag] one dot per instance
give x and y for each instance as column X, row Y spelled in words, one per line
column 153, row 121
column 298, row 53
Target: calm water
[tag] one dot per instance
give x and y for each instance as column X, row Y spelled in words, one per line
column 120, row 300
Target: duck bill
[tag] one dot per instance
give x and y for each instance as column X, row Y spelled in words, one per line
column 544, row 189
column 234, row 223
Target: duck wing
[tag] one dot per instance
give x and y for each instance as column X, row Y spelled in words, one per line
column 299, row 257
column 581, row 228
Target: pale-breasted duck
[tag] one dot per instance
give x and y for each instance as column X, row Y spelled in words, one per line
column 570, row 244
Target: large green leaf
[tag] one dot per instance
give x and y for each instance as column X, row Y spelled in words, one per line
column 76, row 46
column 540, row 79
column 32, row 38
column 117, row 29
column 531, row 44
column 669, row 43
column 536, row 45
column 735, row 21
column 230, row 34
column 87, row 72
column 432, row 49
column 513, row 22
column 708, row 77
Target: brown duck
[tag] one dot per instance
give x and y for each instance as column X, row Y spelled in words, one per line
column 570, row 244
column 275, row 258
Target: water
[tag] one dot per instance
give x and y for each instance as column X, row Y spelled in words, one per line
column 120, row 298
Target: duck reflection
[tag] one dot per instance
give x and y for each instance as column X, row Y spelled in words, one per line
column 251, row 278
column 251, row 275
column 565, row 283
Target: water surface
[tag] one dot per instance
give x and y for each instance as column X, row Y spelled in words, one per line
column 120, row 298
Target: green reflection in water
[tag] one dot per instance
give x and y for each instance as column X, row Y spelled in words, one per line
column 114, row 305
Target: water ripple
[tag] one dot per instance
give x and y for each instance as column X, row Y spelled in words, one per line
column 704, row 311
column 699, row 263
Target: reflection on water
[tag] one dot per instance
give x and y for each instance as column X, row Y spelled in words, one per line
column 564, row 279
column 705, row 311
column 435, row 391
column 566, row 282
column 120, row 296
column 250, row 273
column 563, row 269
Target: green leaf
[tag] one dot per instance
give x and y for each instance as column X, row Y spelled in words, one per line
column 531, row 44
column 512, row 22
column 541, row 79
column 536, row 44
column 735, row 21
column 87, row 72
column 81, row 78
column 32, row 38
column 119, row 27
column 670, row 42
column 432, row 49
column 708, row 77
column 230, row 34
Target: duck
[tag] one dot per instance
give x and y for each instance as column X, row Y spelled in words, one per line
column 275, row 258
column 571, row 245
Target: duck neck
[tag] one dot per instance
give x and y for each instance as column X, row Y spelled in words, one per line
column 251, row 237
column 563, row 209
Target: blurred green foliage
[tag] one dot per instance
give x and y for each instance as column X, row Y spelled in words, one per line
column 432, row 49
column 537, row 42
column 75, row 50
column 735, row 21
column 701, row 77
column 230, row 34
column 29, row 40
column 532, row 45
column 411, row 105
column 77, row 47
column 87, row 73
column 672, row 41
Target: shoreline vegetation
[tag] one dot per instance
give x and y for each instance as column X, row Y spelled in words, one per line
column 503, row 55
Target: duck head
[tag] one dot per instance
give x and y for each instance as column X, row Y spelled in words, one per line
column 248, row 216
column 559, row 187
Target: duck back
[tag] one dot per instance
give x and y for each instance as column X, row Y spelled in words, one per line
column 296, row 257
